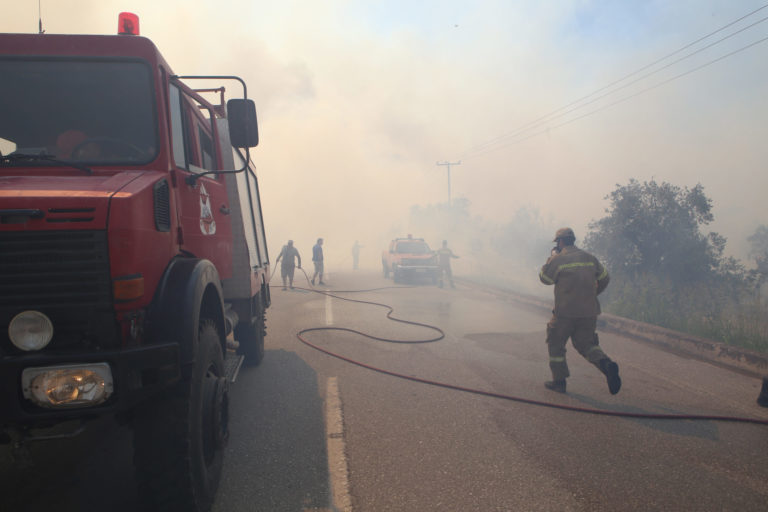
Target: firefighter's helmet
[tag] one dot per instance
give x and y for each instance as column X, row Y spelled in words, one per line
column 564, row 233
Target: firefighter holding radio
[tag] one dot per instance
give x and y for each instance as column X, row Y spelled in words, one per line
column 578, row 278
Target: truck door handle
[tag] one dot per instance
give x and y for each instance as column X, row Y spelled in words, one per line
column 224, row 210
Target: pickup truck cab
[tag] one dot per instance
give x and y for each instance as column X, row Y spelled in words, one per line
column 408, row 258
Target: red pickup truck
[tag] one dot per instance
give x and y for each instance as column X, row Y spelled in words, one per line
column 409, row 257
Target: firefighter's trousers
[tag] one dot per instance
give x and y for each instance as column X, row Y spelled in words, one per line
column 584, row 339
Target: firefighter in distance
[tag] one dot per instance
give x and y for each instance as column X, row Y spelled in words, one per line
column 289, row 255
column 444, row 255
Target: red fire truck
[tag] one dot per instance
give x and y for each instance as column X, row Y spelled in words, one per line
column 132, row 246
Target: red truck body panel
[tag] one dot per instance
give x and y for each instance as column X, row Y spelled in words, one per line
column 112, row 201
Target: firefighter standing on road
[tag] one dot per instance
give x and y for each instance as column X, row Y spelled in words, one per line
column 317, row 259
column 444, row 255
column 578, row 278
column 288, row 253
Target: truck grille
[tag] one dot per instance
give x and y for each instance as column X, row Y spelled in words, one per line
column 417, row 262
column 64, row 274
column 162, row 201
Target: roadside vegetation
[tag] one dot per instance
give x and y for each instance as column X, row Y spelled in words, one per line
column 666, row 269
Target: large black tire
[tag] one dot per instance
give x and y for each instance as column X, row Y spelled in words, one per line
column 251, row 339
column 397, row 276
column 179, row 439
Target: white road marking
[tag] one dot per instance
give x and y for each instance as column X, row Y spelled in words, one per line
column 337, row 457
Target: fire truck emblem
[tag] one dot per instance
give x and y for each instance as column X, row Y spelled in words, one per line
column 207, row 224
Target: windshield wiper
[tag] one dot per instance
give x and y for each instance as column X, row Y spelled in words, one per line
column 14, row 159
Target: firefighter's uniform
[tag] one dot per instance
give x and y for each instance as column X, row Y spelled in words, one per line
column 578, row 278
column 444, row 255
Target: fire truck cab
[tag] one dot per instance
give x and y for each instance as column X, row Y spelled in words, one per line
column 132, row 245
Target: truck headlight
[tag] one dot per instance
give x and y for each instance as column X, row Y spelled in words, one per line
column 30, row 330
column 68, row 386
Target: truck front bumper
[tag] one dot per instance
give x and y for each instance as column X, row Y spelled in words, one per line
column 425, row 269
column 136, row 374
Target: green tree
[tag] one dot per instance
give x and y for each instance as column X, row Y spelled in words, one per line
column 654, row 229
column 758, row 242
column 665, row 271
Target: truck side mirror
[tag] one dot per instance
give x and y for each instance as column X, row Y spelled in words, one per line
column 243, row 128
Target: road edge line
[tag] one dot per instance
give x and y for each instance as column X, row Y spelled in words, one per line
column 338, row 469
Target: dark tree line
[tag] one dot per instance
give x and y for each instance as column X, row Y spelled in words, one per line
column 652, row 228
column 666, row 270
column 666, row 267
column 759, row 252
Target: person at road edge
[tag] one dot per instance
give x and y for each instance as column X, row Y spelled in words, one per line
column 444, row 255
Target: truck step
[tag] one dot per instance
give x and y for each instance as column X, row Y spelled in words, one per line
column 232, row 363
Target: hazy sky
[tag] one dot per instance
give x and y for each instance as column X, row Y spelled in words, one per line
column 358, row 100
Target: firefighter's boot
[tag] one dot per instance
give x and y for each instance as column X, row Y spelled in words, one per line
column 555, row 385
column 611, row 372
column 762, row 400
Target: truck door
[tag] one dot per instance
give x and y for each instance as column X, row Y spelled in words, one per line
column 206, row 230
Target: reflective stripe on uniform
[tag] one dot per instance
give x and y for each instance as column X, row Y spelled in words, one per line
column 603, row 275
column 592, row 349
column 545, row 277
column 575, row 264
column 556, row 359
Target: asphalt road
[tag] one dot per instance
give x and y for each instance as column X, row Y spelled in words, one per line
column 414, row 447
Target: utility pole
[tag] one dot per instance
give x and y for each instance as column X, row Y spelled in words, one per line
column 448, row 165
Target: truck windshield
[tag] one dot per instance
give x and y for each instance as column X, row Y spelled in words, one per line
column 413, row 248
column 86, row 111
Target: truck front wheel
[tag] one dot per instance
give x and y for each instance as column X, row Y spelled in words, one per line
column 179, row 439
column 386, row 269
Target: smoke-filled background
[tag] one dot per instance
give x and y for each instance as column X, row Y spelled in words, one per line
column 359, row 100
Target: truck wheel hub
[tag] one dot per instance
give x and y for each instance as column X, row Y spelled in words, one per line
column 215, row 414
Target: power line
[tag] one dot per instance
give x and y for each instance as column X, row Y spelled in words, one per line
column 638, row 93
column 484, row 148
column 634, row 82
column 532, row 124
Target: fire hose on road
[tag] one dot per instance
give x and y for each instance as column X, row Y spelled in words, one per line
column 585, row 410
